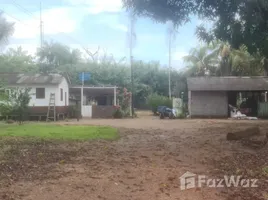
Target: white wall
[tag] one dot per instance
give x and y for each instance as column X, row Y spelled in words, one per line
column 87, row 111
column 63, row 85
column 48, row 90
column 42, row 102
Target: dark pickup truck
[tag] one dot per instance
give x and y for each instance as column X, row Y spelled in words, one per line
column 164, row 111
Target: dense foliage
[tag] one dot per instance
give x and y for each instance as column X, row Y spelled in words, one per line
column 18, row 101
column 6, row 29
column 239, row 22
column 5, row 107
column 155, row 100
column 58, row 58
column 148, row 77
column 217, row 58
column 124, row 98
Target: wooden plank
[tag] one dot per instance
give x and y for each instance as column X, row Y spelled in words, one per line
column 243, row 133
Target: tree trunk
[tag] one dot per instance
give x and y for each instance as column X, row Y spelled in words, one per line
column 243, row 133
column 265, row 66
column 255, row 142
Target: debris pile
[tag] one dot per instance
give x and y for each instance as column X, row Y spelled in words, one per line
column 236, row 114
column 251, row 137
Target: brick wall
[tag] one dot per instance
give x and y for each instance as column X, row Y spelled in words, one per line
column 208, row 104
column 40, row 112
column 102, row 111
column 37, row 110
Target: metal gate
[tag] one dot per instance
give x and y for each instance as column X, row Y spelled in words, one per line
column 87, row 111
column 263, row 110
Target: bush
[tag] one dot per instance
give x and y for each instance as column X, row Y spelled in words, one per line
column 118, row 113
column 124, row 99
column 5, row 109
column 10, row 121
column 155, row 100
column 20, row 99
column 74, row 111
column 181, row 116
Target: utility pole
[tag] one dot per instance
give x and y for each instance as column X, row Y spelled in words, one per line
column 131, row 61
column 41, row 28
column 169, row 66
column 82, row 93
column 171, row 34
column 41, row 37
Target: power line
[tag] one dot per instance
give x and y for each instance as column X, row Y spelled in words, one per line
column 23, row 9
column 132, row 21
column 15, row 18
column 8, row 14
column 42, row 24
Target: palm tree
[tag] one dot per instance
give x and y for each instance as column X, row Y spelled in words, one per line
column 218, row 58
column 202, row 61
column 6, row 29
column 225, row 56
column 238, row 62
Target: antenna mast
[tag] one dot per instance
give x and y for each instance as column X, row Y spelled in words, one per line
column 41, row 27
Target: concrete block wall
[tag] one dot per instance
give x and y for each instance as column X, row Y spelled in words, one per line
column 208, row 104
column 102, row 111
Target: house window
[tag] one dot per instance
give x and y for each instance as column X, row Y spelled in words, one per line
column 61, row 94
column 40, row 93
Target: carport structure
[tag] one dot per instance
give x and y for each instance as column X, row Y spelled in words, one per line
column 97, row 102
column 211, row 96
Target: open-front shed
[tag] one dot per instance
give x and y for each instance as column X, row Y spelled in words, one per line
column 211, row 96
column 98, row 101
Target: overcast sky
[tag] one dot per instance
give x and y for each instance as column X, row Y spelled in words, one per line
column 94, row 23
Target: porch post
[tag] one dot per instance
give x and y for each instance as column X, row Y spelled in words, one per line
column 189, row 102
column 82, row 98
column 82, row 94
column 115, row 96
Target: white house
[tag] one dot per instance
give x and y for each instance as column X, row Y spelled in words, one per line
column 41, row 85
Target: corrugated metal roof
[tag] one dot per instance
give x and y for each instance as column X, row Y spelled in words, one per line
column 31, row 79
column 230, row 83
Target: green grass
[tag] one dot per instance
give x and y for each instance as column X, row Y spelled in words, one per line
column 58, row 132
column 265, row 170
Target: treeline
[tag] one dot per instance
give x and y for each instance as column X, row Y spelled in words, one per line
column 213, row 59
column 217, row 59
column 57, row 58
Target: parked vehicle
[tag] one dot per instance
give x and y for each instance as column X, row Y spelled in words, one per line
column 164, row 111
column 245, row 109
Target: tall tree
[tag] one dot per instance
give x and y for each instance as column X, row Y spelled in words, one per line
column 53, row 55
column 177, row 11
column 6, row 29
column 236, row 62
column 17, row 60
column 236, row 22
column 239, row 23
column 202, row 61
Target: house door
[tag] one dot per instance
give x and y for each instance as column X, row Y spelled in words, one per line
column 65, row 98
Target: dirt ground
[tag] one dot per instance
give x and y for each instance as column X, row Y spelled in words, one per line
column 144, row 164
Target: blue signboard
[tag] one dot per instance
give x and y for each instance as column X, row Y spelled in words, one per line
column 86, row 76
